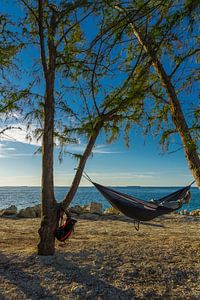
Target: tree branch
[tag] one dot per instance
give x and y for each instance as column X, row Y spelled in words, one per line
column 182, row 60
column 157, row 96
column 30, row 9
column 93, row 75
column 71, row 27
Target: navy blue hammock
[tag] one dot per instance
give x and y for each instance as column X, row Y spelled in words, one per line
column 141, row 210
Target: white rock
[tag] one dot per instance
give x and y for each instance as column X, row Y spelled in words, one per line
column 111, row 211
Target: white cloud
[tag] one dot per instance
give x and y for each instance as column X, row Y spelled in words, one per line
column 3, row 156
column 98, row 149
column 18, row 133
column 103, row 149
column 10, row 152
column 124, row 175
column 5, row 151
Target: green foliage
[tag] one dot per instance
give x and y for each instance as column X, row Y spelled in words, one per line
column 6, row 55
column 84, row 69
column 9, row 94
column 170, row 28
column 8, row 45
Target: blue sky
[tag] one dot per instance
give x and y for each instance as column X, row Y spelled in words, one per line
column 142, row 164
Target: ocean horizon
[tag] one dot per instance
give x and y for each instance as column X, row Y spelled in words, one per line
column 24, row 196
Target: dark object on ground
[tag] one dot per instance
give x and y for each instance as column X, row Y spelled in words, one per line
column 63, row 232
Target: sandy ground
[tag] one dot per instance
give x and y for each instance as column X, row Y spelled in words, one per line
column 104, row 259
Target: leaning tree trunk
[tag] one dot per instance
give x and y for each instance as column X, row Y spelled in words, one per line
column 77, row 178
column 189, row 145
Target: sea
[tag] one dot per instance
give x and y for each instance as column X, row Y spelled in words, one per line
column 24, row 196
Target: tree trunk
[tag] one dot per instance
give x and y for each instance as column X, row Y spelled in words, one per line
column 46, row 245
column 49, row 218
column 189, row 145
column 49, row 206
column 77, row 178
column 48, row 225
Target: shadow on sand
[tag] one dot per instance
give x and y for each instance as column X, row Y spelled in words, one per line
column 97, row 217
column 27, row 285
column 71, row 279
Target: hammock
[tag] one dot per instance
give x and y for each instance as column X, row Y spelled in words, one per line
column 138, row 209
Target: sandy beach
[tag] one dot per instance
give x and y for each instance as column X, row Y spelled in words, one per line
column 106, row 258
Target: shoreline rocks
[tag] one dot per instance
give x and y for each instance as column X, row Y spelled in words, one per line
column 195, row 212
column 94, row 208
column 111, row 211
column 30, row 212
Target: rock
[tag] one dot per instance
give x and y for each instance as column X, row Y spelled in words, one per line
column 184, row 212
column 28, row 212
column 2, row 212
column 111, row 211
column 11, row 210
column 95, row 208
column 195, row 212
column 77, row 209
column 37, row 210
column 92, row 208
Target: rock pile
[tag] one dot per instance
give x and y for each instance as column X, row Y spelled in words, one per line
column 93, row 208
column 30, row 212
column 195, row 212
column 35, row 211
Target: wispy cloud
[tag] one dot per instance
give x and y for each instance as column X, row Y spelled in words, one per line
column 124, row 175
column 5, row 151
column 18, row 133
column 25, row 154
column 10, row 152
column 98, row 149
column 104, row 149
column 3, row 156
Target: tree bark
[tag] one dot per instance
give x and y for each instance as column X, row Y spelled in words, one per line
column 49, row 211
column 189, row 145
column 77, row 178
column 46, row 245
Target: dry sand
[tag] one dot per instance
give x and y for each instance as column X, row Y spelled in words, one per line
column 104, row 259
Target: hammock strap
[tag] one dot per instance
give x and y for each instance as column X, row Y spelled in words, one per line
column 66, row 212
column 137, row 225
column 86, row 176
column 192, row 183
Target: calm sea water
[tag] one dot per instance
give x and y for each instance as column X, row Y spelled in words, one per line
column 29, row 196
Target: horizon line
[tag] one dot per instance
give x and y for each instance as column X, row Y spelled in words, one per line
column 65, row 186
